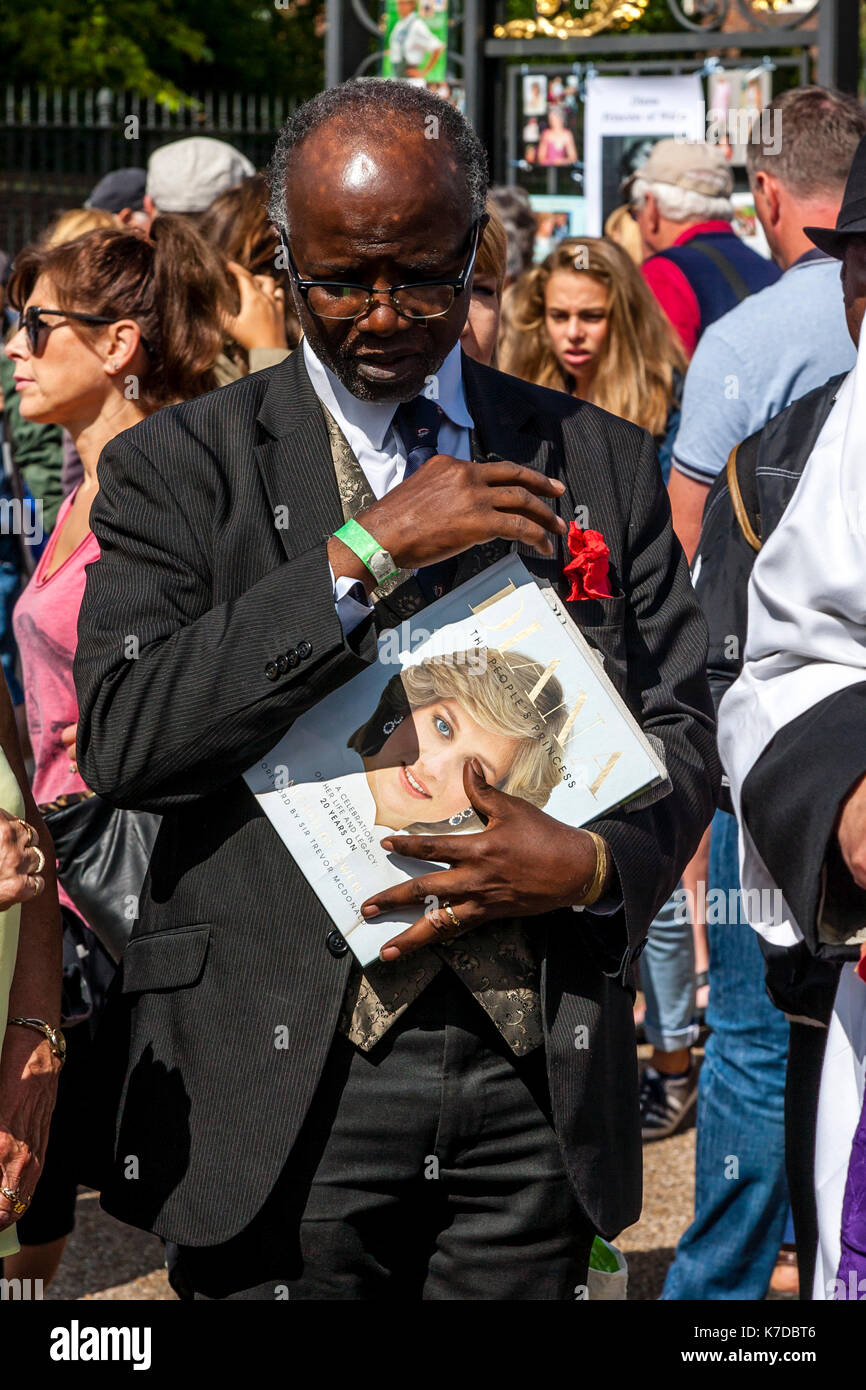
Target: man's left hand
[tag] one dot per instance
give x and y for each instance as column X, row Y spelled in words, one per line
column 523, row 864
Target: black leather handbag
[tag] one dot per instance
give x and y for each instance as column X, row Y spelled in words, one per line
column 102, row 858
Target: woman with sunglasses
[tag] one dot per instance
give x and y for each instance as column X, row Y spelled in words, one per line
column 113, row 325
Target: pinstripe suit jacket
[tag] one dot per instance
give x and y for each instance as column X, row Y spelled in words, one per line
column 213, row 518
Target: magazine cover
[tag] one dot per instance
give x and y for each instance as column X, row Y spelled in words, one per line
column 495, row 670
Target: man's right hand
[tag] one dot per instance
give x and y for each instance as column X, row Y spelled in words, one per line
column 450, row 505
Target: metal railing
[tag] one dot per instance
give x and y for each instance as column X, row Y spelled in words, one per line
column 56, row 144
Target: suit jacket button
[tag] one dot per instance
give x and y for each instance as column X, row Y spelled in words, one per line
column 272, row 670
column 336, row 943
column 292, row 657
column 304, row 650
column 283, row 664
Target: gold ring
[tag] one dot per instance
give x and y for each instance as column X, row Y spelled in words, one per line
column 19, row 1204
column 41, row 865
column 28, row 828
column 452, row 916
column 38, row 884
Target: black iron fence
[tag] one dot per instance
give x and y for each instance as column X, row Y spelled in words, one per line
column 55, row 145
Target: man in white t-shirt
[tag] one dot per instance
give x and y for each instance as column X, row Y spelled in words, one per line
column 414, row 49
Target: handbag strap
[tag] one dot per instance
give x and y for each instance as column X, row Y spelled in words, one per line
column 65, row 799
column 739, row 505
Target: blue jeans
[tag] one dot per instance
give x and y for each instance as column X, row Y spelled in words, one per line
column 741, row 1195
column 10, row 587
column 667, row 978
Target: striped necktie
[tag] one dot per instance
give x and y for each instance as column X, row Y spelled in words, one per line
column 418, row 423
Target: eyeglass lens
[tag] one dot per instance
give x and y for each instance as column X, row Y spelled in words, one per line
column 348, row 301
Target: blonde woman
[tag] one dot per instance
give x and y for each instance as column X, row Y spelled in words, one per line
column 481, row 331
column 584, row 321
column 435, row 716
column 75, row 223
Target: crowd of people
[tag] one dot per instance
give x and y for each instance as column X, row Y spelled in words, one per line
column 204, row 347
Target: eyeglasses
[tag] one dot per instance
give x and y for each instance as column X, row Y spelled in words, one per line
column 425, row 299
column 31, row 322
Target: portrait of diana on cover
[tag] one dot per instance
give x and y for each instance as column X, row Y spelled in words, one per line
column 435, row 715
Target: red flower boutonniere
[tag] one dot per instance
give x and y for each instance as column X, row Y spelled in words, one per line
column 588, row 570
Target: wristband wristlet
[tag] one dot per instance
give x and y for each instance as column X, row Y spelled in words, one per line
column 368, row 550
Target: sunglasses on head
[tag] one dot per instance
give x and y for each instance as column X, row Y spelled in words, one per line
column 32, row 323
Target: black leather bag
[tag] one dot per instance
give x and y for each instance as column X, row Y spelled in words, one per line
column 102, row 858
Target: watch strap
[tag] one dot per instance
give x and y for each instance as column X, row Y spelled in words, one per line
column 54, row 1035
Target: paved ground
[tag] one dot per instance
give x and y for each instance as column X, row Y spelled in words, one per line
column 107, row 1260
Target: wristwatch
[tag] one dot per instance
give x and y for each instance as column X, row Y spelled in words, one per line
column 55, row 1038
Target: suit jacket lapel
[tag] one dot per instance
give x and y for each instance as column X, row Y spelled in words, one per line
column 295, row 462
column 501, row 417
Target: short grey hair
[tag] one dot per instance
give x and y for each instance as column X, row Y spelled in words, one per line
column 682, row 204
column 386, row 105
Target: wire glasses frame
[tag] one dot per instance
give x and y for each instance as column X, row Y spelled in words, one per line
column 31, row 322
column 415, row 301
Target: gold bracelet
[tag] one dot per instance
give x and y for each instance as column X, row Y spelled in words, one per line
column 56, row 1040
column 594, row 891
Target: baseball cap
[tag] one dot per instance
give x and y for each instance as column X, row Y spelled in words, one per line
column 690, row 164
column 122, row 188
column 187, row 175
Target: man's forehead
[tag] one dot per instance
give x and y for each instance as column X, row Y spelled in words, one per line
column 362, row 210
column 352, row 162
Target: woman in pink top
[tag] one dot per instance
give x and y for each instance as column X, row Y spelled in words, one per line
column 114, row 325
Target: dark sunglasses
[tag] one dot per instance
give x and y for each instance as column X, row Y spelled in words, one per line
column 31, row 322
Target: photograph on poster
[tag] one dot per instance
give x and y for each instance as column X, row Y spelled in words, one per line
column 746, row 223
column 415, row 39
column 557, row 146
column 549, row 112
column 556, row 217
column 624, row 118
column 534, row 95
column 735, row 98
column 622, row 156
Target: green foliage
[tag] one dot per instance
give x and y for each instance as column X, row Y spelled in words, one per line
column 144, row 46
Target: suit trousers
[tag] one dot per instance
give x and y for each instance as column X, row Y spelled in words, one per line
column 427, row 1168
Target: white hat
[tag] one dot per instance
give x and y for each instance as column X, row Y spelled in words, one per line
column 187, row 175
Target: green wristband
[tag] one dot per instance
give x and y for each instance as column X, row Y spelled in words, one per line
column 368, row 550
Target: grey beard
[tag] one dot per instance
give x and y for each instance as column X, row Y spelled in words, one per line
column 345, row 369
